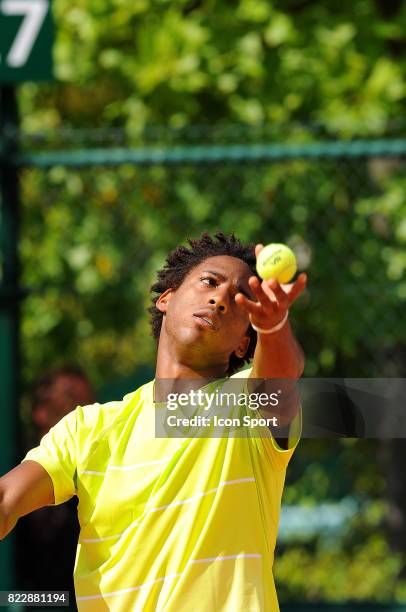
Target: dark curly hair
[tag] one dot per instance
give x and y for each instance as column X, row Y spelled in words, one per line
column 182, row 260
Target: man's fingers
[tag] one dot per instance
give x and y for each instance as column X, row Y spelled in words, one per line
column 271, row 296
column 250, row 306
column 277, row 290
column 298, row 287
column 262, row 296
column 287, row 287
column 258, row 249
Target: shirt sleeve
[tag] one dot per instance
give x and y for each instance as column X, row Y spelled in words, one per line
column 266, row 442
column 57, row 453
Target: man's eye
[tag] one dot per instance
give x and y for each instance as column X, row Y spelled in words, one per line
column 209, row 281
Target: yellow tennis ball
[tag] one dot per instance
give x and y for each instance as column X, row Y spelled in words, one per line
column 276, row 261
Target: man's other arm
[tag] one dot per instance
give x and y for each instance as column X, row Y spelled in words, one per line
column 25, row 488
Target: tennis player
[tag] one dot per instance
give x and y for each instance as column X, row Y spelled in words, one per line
column 177, row 524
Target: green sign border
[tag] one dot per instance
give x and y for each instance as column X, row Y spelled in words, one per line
column 39, row 66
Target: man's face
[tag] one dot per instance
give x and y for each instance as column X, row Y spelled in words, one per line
column 202, row 317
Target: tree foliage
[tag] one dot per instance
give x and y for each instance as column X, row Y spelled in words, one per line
column 151, row 62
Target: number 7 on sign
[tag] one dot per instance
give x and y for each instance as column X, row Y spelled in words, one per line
column 34, row 12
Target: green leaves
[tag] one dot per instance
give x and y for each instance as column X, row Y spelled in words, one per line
column 171, row 63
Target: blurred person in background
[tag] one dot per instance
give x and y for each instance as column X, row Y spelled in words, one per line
column 47, row 538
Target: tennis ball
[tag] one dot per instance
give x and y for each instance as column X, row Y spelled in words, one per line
column 276, row 261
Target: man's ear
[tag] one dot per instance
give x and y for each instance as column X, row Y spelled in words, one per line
column 242, row 348
column 163, row 300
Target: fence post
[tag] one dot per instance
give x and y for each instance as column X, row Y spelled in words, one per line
column 9, row 305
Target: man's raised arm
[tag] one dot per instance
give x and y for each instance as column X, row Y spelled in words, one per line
column 277, row 353
column 25, row 488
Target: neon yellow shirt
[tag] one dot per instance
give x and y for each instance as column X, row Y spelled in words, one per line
column 173, row 525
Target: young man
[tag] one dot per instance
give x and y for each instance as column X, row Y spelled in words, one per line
column 176, row 524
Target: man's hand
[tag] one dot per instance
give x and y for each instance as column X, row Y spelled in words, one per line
column 273, row 299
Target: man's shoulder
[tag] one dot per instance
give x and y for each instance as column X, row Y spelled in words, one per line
column 99, row 417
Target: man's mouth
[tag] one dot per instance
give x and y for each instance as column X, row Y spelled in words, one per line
column 206, row 319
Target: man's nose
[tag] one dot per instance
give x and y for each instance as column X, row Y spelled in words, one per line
column 220, row 302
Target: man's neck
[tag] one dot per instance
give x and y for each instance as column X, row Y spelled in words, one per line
column 172, row 365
